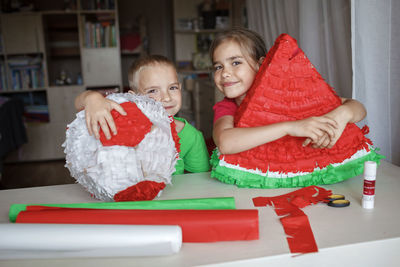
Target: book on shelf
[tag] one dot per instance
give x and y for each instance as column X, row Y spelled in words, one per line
column 26, row 72
column 24, row 60
column 36, row 113
column 100, row 34
column 28, row 77
column 35, row 105
column 3, row 77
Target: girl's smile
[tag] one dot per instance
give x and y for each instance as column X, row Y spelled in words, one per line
column 227, row 84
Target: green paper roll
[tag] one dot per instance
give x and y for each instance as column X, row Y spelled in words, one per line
column 220, row 203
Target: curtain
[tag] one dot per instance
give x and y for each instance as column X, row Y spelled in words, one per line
column 376, row 67
column 321, row 27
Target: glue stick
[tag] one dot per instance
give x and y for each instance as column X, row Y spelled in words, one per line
column 369, row 185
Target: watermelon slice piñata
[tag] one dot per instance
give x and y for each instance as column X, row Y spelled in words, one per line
column 287, row 87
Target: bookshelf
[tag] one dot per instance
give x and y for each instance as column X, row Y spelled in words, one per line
column 48, row 55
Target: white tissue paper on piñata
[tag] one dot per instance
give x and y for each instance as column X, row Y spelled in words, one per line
column 136, row 163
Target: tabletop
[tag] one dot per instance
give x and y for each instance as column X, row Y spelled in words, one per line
column 351, row 236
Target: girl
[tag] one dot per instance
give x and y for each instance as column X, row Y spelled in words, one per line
column 237, row 55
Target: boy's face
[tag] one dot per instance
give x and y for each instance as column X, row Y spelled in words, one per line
column 160, row 82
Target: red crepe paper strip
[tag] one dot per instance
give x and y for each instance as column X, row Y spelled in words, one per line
column 300, row 236
column 288, row 87
column 175, row 135
column 131, row 128
column 145, row 190
column 295, row 221
column 197, row 225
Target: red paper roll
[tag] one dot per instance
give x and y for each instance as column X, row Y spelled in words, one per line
column 197, row 225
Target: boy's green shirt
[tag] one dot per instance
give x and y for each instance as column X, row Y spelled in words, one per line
column 194, row 155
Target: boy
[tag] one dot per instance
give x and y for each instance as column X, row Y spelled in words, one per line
column 156, row 77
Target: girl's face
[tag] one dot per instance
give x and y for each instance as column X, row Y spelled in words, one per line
column 160, row 82
column 233, row 72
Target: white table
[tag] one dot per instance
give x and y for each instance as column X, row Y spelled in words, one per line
column 350, row 236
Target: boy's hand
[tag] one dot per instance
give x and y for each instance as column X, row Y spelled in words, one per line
column 314, row 128
column 98, row 112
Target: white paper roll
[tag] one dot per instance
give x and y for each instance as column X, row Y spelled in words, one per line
column 23, row 241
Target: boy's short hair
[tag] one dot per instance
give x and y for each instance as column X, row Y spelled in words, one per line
column 142, row 62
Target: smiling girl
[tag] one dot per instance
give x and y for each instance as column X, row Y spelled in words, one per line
column 237, row 55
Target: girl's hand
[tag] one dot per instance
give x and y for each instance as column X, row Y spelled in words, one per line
column 325, row 141
column 314, row 128
column 351, row 111
column 342, row 115
column 98, row 111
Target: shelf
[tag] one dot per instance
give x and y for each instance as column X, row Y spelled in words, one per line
column 100, row 48
column 53, row 86
column 64, row 85
column 200, row 31
column 97, row 11
column 59, row 12
column 72, row 12
column 24, row 54
column 26, row 90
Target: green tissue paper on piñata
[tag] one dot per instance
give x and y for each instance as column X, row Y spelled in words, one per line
column 288, row 87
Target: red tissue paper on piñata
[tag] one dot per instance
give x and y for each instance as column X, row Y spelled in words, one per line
column 135, row 164
column 287, row 87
